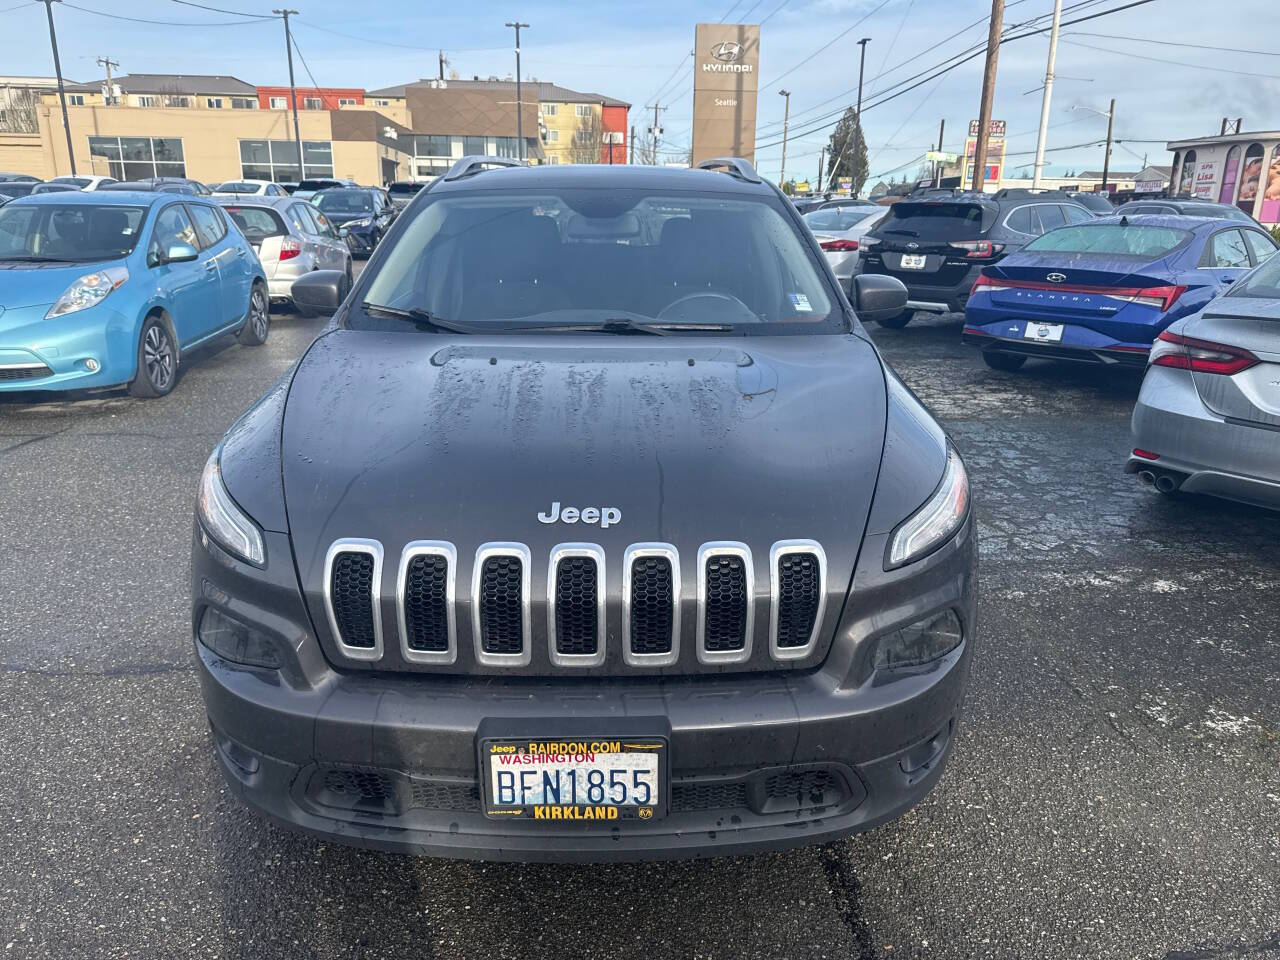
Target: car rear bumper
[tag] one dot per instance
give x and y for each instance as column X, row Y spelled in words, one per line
column 1200, row 451
column 927, row 296
column 1077, row 344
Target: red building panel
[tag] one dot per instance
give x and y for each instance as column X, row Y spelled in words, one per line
column 329, row 96
column 614, row 120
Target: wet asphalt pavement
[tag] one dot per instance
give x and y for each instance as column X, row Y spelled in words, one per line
column 1115, row 790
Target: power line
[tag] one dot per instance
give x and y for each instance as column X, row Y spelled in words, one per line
column 162, row 23
column 838, row 36
column 1176, row 63
column 402, row 46
column 234, row 13
column 775, row 11
column 1171, row 43
column 298, row 50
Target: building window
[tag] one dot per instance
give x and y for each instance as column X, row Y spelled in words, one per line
column 213, row 103
column 139, row 158
column 507, row 147
column 548, row 109
column 1188, row 174
column 75, row 99
column 553, row 159
column 1250, row 178
column 382, row 103
column 312, row 103
column 432, row 146
column 582, row 109
column 347, row 101
column 553, row 136
column 145, row 101
column 277, row 160
column 173, row 101
column 474, row 147
column 244, row 103
column 278, row 103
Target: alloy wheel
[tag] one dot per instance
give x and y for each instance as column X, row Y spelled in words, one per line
column 157, row 355
column 258, row 319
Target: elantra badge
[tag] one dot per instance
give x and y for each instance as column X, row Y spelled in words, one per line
column 605, row 516
column 1056, row 277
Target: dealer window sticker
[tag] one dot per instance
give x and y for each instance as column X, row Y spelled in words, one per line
column 800, row 302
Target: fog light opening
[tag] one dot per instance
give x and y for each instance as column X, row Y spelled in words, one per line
column 921, row 642
column 92, row 365
column 237, row 642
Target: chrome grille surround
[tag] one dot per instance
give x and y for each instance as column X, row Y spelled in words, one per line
column 374, row 549
column 725, row 548
column 635, row 552
column 484, row 552
column 560, row 552
column 777, row 551
column 428, row 548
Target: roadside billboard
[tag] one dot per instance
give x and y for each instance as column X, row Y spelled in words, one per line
column 995, row 150
column 725, row 81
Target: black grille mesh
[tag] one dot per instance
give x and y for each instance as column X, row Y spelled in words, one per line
column 809, row 786
column 351, row 590
column 652, row 608
column 708, row 796
column 426, row 603
column 798, row 598
column 726, row 604
column 27, row 373
column 577, row 616
column 501, row 625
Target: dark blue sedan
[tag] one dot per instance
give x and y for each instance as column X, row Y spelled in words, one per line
column 1102, row 291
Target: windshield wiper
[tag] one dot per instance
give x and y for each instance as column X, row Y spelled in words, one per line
column 423, row 319
column 35, row 259
column 623, row 326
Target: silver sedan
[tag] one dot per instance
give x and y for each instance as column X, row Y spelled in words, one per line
column 838, row 231
column 1208, row 416
column 290, row 237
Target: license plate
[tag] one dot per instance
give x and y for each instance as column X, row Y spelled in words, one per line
column 583, row 779
column 1044, row 332
column 913, row 261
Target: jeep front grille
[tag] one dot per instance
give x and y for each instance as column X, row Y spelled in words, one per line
column 353, row 576
column 425, row 600
column 726, row 592
column 500, row 604
column 651, row 604
column 797, row 594
column 576, row 605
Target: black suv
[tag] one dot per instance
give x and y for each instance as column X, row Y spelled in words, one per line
column 527, row 556
column 937, row 247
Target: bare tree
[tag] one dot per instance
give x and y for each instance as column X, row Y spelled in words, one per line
column 18, row 110
column 588, row 140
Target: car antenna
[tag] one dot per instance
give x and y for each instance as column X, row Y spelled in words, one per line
column 1124, row 219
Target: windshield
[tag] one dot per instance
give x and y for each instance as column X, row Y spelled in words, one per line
column 74, row 232
column 1214, row 210
column 1263, row 283
column 344, row 201
column 836, row 218
column 588, row 256
column 1113, row 239
column 934, row 221
column 404, row 188
column 257, row 223
column 238, row 186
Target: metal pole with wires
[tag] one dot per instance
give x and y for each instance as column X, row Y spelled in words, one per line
column 1048, row 94
column 518, row 26
column 293, row 92
column 786, row 116
column 857, row 121
column 62, row 93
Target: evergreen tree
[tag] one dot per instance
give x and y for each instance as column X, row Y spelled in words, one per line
column 841, row 149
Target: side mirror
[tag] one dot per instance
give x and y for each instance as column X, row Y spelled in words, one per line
column 877, row 297
column 320, row 291
column 177, row 253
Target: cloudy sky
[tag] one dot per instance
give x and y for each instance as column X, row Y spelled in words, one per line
column 637, row 51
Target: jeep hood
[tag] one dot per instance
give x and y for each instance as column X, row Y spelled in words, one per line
column 405, row 436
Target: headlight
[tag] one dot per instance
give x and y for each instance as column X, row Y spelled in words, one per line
column 366, row 222
column 89, row 291
column 225, row 521
column 235, row 641
column 937, row 520
column 920, row 642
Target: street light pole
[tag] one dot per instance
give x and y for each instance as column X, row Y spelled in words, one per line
column 62, row 93
column 1106, row 157
column 293, row 92
column 1048, row 94
column 517, row 25
column 786, row 117
column 857, row 121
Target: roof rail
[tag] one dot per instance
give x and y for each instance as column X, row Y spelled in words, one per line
column 734, row 166
column 1015, row 192
column 468, row 166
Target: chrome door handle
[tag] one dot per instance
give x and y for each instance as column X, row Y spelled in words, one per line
column 210, row 265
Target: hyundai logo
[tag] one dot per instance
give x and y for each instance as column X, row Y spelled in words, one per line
column 729, row 51
column 1056, row 277
column 913, row 246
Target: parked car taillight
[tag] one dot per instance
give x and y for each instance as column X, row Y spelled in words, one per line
column 1199, row 356
column 985, row 284
column 978, row 249
column 839, row 245
column 289, row 248
column 1162, row 297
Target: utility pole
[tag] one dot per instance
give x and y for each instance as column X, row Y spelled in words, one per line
column 443, row 61
column 786, row 117
column 1048, row 94
column 293, row 92
column 857, row 121
column 108, row 95
column 518, row 26
column 633, row 144
column 988, row 93
column 937, row 167
column 822, row 161
column 1106, row 157
column 655, row 131
column 62, row 93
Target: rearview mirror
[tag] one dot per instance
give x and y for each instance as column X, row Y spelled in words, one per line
column 319, row 291
column 877, row 297
column 178, row 253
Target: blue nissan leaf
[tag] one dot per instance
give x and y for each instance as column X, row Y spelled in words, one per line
column 102, row 290
column 1102, row 291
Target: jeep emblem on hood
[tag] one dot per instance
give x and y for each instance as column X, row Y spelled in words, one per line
column 605, row 516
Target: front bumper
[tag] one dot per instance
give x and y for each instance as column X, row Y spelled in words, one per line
column 1201, row 451
column 53, row 355
column 361, row 242
column 757, row 762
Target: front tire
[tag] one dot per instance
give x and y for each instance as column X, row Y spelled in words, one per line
column 1008, row 362
column 898, row 322
column 157, row 361
column 257, row 325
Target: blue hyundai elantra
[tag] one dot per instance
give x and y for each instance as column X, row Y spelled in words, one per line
column 102, row 290
column 1103, row 291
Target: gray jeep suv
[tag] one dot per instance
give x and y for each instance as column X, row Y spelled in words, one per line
column 593, row 527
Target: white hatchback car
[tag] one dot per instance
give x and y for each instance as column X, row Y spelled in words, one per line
column 85, row 182
column 249, row 188
column 291, row 238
